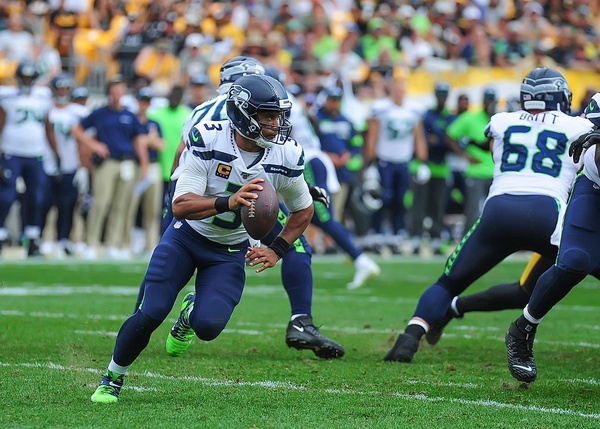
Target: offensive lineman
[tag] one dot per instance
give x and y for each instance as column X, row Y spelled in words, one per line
column 524, row 209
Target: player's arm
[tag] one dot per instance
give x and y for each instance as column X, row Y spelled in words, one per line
column 421, row 149
column 140, row 146
column 190, row 201
column 49, row 129
column 298, row 200
column 373, row 127
column 2, row 119
column 95, row 146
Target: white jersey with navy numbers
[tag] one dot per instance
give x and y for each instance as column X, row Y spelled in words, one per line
column 214, row 167
column 531, row 153
column 63, row 119
column 531, row 156
column 396, row 141
column 24, row 132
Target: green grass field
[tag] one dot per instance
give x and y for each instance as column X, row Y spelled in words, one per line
column 59, row 322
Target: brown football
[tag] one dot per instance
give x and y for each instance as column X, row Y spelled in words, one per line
column 259, row 218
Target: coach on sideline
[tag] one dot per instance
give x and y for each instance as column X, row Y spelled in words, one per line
column 120, row 158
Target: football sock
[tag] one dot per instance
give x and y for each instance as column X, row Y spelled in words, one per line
column 133, row 337
column 499, row 297
column 551, row 287
column 296, row 276
column 415, row 330
column 114, row 367
column 295, row 316
column 433, row 304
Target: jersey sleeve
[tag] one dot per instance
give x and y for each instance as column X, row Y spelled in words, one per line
column 193, row 178
column 290, row 183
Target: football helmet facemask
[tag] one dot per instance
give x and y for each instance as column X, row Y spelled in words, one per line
column 252, row 94
column 545, row 89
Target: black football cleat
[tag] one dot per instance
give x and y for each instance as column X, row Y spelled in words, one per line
column 403, row 351
column 519, row 347
column 33, row 248
column 302, row 334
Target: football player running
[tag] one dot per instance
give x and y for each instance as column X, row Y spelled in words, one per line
column 533, row 175
column 25, row 131
column 226, row 162
column 578, row 254
column 296, row 270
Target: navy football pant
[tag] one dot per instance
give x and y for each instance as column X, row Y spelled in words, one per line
column 509, row 223
column 61, row 194
column 219, row 285
column 32, row 171
column 579, row 253
column 395, row 180
column 316, row 174
column 296, row 272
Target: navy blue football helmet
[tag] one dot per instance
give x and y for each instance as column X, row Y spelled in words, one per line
column 26, row 74
column 592, row 110
column 239, row 66
column 275, row 73
column 251, row 94
column 545, row 89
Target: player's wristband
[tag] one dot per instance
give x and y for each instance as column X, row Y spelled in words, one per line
column 222, row 204
column 279, row 246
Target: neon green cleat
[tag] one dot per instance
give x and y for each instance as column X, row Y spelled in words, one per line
column 181, row 334
column 109, row 389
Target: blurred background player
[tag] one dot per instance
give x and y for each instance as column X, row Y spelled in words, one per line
column 320, row 171
column 66, row 181
column 25, row 131
column 394, row 138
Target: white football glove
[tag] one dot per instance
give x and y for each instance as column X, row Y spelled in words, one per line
column 81, row 180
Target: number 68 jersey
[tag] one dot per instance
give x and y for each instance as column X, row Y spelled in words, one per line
column 215, row 167
column 530, row 153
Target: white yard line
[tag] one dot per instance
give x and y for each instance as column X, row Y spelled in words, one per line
column 485, row 403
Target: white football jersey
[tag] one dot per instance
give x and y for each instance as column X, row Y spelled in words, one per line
column 396, row 141
column 63, row 119
column 531, row 153
column 214, row 167
column 24, row 133
column 589, row 165
column 531, row 156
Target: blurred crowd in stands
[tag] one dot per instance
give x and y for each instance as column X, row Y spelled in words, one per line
column 168, row 52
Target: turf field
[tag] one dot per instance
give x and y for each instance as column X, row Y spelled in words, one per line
column 59, row 322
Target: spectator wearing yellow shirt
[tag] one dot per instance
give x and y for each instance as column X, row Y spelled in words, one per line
column 158, row 64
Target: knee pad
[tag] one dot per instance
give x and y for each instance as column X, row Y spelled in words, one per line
column 576, row 261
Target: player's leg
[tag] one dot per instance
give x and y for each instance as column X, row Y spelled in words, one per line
column 297, row 279
column 386, row 173
column 578, row 256
column 104, row 182
column 35, row 180
column 401, row 184
column 170, row 268
column 65, row 203
column 365, row 267
column 10, row 169
column 499, row 297
column 499, row 232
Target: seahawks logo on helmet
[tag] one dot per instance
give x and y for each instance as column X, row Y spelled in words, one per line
column 592, row 111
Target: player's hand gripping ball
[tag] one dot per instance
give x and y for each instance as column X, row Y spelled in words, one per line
column 259, row 218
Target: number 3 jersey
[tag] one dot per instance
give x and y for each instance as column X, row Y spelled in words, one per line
column 24, row 133
column 214, row 166
column 531, row 153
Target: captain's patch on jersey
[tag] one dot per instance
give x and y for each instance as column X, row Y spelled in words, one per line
column 223, row 170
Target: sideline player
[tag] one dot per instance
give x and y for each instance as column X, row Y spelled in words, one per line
column 533, row 175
